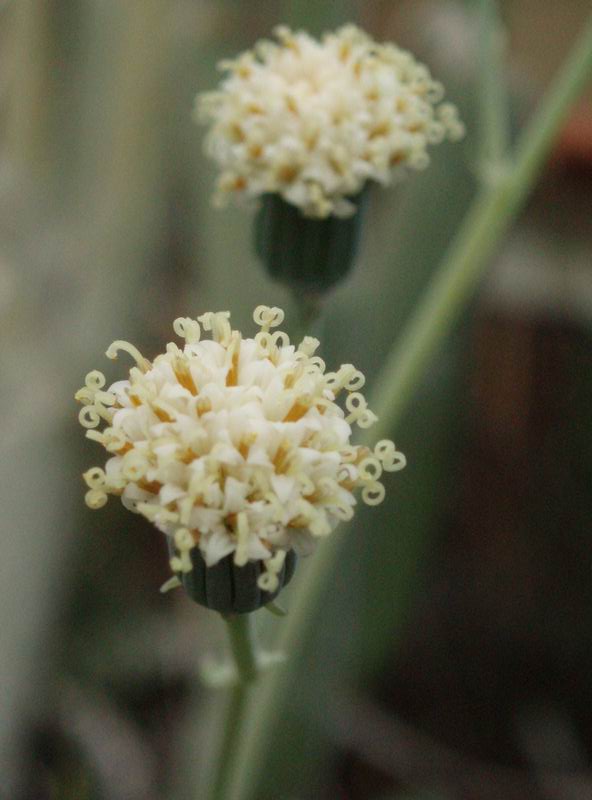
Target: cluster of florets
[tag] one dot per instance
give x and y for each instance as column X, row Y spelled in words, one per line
column 314, row 121
column 235, row 446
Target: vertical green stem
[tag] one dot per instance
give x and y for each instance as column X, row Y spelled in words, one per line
column 309, row 309
column 230, row 738
column 488, row 219
column 492, row 91
column 240, row 632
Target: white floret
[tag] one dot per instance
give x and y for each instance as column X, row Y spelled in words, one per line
column 314, row 121
column 234, row 446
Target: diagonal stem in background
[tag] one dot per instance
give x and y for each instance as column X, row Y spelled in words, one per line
column 488, row 219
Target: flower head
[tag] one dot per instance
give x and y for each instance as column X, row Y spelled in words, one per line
column 234, row 446
column 315, row 120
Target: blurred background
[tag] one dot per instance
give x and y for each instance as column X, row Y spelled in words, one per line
column 453, row 655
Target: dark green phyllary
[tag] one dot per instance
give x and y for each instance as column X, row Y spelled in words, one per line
column 232, row 589
column 307, row 254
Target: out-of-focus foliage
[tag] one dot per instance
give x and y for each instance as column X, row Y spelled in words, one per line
column 106, row 232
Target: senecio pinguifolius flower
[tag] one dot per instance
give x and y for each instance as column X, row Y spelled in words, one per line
column 235, row 448
column 314, row 121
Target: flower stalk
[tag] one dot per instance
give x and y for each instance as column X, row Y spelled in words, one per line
column 240, row 633
column 242, row 644
column 489, row 217
column 230, row 741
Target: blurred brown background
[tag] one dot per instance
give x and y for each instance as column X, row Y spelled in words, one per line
column 453, row 656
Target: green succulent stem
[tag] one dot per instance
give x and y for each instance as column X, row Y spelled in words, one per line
column 242, row 645
column 244, row 652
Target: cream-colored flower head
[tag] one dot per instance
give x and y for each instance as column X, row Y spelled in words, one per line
column 236, row 446
column 315, row 120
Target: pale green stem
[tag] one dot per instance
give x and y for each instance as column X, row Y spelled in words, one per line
column 309, row 308
column 492, row 92
column 242, row 644
column 240, row 632
column 488, row 219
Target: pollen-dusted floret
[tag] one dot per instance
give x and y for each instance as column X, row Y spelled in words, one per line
column 236, row 446
column 315, row 120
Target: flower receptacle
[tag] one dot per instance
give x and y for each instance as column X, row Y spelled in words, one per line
column 228, row 588
column 307, row 254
